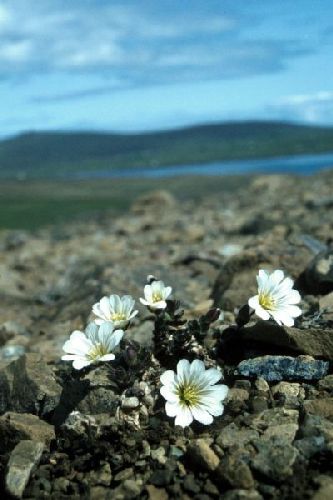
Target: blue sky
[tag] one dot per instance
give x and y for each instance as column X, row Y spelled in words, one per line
column 154, row 64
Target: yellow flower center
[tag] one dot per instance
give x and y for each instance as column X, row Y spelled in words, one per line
column 157, row 296
column 266, row 301
column 188, row 395
column 97, row 351
column 118, row 316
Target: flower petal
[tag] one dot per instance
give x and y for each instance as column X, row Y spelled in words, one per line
column 202, row 415
column 171, row 408
column 80, row 363
column 167, row 377
column 184, row 416
column 115, row 339
column 107, row 357
column 276, row 277
column 169, row 394
column 197, row 368
column 212, row 375
column 262, row 313
column 104, row 304
column 183, row 371
column 254, row 301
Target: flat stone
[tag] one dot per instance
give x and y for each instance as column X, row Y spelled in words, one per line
column 274, row 460
column 312, row 341
column 274, row 417
column 28, row 385
column 23, row 459
column 201, row 455
column 235, row 472
column 322, row 407
column 15, row 427
column 315, row 425
column 275, row 368
column 326, row 383
column 231, row 436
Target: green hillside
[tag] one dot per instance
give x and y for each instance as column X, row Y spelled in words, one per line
column 54, row 154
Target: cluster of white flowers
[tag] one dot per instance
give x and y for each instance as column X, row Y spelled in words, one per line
column 191, row 393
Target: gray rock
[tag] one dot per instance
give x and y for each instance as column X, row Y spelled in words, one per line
column 322, row 407
column 242, row 495
column 274, row 368
column 23, row 459
column 232, row 436
column 15, row 427
column 235, row 472
column 99, row 400
column 312, row 341
column 11, row 352
column 318, row 275
column 310, row 446
column 315, row 425
column 274, row 460
column 28, row 385
column 202, row 456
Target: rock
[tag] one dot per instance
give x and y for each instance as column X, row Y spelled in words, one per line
column 242, row 495
column 326, row 383
column 235, row 472
column 315, row 425
column 23, row 459
column 191, row 485
column 325, row 491
column 200, row 454
column 15, row 427
column 326, row 306
column 232, row 436
column 161, row 477
column 274, row 460
column 129, row 404
column 11, row 352
column 310, row 446
column 127, row 490
column 274, row 417
column 311, row 341
column 286, row 389
column 261, row 385
column 156, row 493
column 99, row 400
column 289, row 394
column 28, row 385
column 318, row 276
column 322, row 407
column 283, row 368
column 152, row 201
column 159, row 455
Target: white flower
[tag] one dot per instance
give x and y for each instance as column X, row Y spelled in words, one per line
column 118, row 310
column 96, row 344
column 156, row 294
column 276, row 298
column 191, row 394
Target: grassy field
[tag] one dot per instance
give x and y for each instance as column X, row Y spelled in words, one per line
column 31, row 204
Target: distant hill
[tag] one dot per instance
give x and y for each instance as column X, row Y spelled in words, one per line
column 55, row 154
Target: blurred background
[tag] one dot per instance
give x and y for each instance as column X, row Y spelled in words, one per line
column 104, row 100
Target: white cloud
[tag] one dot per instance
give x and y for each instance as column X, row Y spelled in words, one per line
column 312, row 108
column 4, row 17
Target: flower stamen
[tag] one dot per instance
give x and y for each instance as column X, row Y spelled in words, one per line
column 188, row 394
column 267, row 301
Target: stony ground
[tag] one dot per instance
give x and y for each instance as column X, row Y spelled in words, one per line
column 103, row 433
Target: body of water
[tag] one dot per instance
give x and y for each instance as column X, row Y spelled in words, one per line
column 301, row 165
